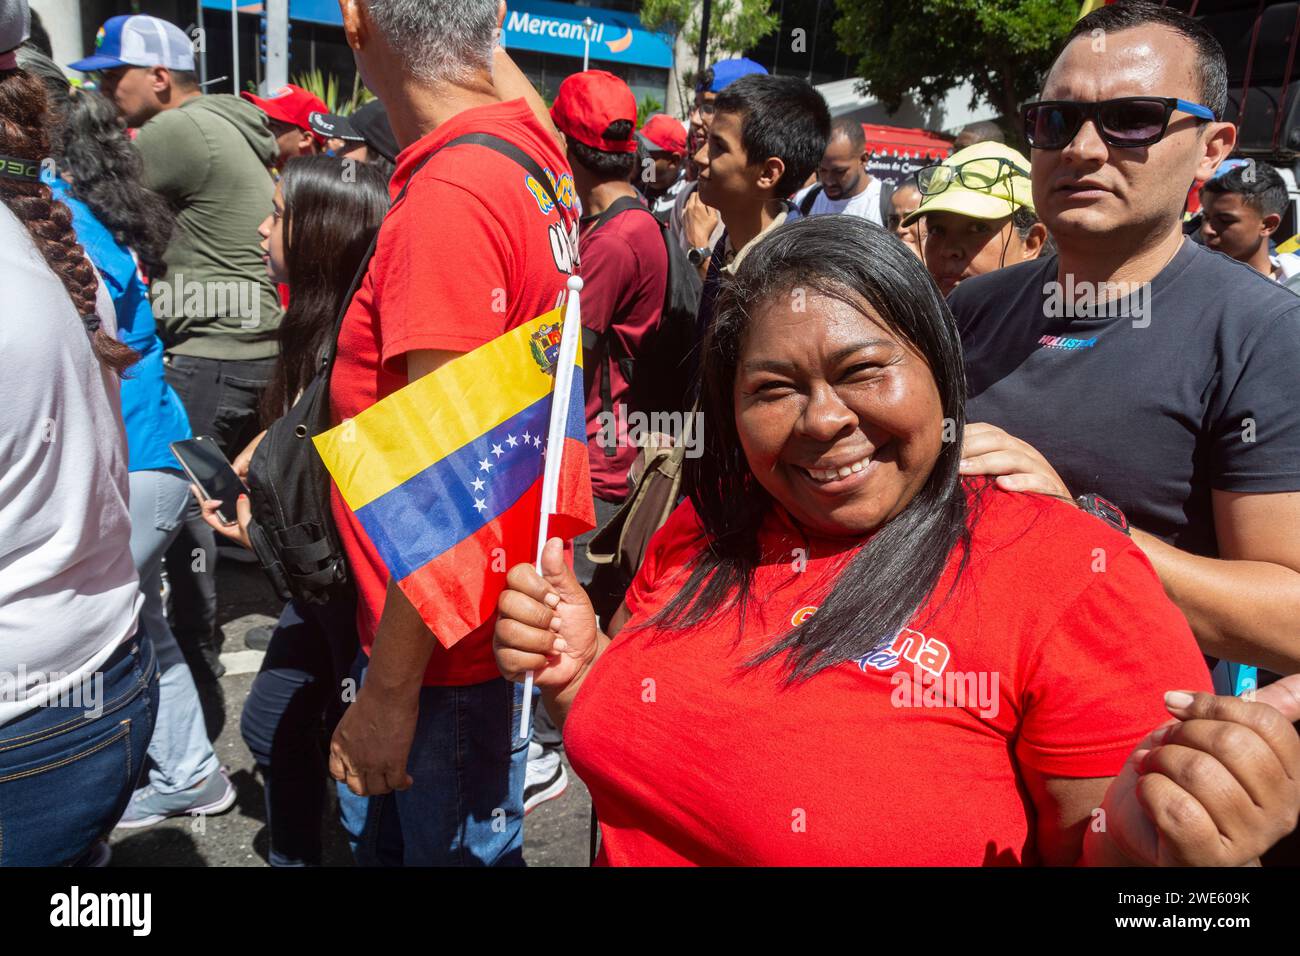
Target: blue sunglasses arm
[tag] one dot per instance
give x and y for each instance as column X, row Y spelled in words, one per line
column 1196, row 109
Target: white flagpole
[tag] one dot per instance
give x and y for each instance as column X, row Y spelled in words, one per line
column 570, row 336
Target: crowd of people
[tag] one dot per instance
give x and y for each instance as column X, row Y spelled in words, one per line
column 986, row 475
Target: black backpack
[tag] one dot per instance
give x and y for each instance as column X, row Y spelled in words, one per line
column 293, row 532
column 810, row 197
column 657, row 376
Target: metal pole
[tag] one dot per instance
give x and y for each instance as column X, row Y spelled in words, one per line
column 1286, row 81
column 706, row 11
column 277, row 44
column 234, row 45
column 1250, row 63
column 587, row 24
column 203, row 51
column 780, row 35
column 817, row 22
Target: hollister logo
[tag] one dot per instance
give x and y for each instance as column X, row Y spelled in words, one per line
column 928, row 653
column 545, row 346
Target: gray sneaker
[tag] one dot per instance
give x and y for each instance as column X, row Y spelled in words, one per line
column 214, row 795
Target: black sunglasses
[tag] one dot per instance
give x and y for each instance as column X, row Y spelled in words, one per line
column 1126, row 122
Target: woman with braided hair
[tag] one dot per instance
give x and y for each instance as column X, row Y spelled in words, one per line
column 78, row 684
column 124, row 229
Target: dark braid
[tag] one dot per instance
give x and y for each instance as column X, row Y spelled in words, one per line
column 23, row 134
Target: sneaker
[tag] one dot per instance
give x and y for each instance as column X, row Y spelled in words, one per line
column 545, row 778
column 257, row 638
column 214, row 795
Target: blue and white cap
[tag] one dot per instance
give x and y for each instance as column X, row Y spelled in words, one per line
column 139, row 41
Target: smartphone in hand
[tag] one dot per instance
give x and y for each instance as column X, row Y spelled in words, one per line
column 208, row 468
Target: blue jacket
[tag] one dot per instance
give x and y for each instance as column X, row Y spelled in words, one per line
column 153, row 412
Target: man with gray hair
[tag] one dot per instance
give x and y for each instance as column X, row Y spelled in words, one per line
column 482, row 241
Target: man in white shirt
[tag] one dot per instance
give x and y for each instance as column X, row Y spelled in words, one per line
column 843, row 183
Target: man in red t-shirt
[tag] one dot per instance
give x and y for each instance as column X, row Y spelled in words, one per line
column 624, row 271
column 474, row 248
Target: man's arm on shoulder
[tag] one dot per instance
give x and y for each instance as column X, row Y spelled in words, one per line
column 511, row 84
column 174, row 155
column 1245, row 605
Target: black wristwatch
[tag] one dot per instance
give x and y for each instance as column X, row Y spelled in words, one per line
column 1107, row 511
column 698, row 255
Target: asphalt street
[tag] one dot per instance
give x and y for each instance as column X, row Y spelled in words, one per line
column 555, row 834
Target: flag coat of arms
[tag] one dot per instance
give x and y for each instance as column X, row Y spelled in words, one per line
column 445, row 475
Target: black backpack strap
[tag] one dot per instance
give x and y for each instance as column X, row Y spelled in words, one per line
column 810, row 197
column 619, row 206
column 595, row 342
column 510, row 150
column 496, row 143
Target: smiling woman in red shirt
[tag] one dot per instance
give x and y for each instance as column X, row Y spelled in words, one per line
column 837, row 652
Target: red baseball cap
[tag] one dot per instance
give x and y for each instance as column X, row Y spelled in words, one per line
column 290, row 104
column 588, row 102
column 663, row 134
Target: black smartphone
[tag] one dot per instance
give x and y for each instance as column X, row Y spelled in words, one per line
column 207, row 467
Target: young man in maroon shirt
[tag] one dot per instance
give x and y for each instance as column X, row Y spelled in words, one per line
column 429, row 758
column 624, row 271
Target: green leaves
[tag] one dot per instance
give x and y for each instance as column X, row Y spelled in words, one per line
column 925, row 48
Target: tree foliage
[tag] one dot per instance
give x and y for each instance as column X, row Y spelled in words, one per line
column 926, row 48
column 734, row 25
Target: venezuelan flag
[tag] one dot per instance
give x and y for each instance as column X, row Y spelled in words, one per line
column 445, row 475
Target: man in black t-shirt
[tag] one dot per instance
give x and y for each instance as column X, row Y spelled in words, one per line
column 1139, row 366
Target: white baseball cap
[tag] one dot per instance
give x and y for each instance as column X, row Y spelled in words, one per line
column 138, row 41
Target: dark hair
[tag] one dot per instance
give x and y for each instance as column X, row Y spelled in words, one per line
column 893, row 574
column 332, row 209
column 1024, row 219
column 984, row 131
column 1211, row 66
column 23, row 134
column 851, row 130
column 1259, row 185
column 780, row 116
column 40, row 37
column 185, row 79
column 602, row 164
column 106, row 172
column 705, row 81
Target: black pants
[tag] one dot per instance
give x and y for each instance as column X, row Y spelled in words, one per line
column 295, row 702
column 221, row 398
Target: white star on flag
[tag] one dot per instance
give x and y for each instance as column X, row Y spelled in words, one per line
column 485, row 465
column 527, row 438
column 478, row 484
column 480, row 504
column 496, row 450
column 512, row 441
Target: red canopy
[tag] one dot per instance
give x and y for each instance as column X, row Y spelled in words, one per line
column 919, row 145
column 897, row 152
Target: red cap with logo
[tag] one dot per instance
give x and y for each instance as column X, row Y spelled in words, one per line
column 289, row 104
column 588, row 102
